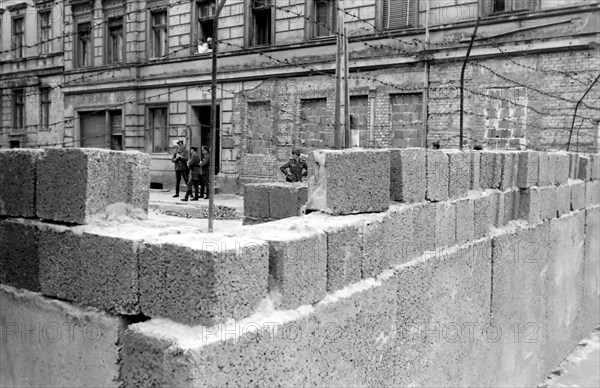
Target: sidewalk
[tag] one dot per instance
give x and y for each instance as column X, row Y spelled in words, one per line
column 227, row 206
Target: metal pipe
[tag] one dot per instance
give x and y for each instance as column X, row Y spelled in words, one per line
column 462, row 83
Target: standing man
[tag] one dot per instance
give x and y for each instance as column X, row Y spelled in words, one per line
column 180, row 158
column 297, row 168
column 194, row 165
column 204, row 165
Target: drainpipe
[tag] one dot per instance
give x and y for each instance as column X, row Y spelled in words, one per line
column 462, row 82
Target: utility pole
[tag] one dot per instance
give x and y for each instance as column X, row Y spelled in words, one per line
column 213, row 119
column 341, row 82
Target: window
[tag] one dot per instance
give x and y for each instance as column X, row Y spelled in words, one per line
column 84, row 45
column 158, row 33
column 18, row 108
column 45, row 28
column 262, row 27
column 114, row 40
column 18, row 37
column 406, row 120
column 204, row 29
column 44, row 108
column 324, row 17
column 496, row 6
column 399, row 14
column 158, row 131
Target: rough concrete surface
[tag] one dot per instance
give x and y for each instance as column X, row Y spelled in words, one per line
column 90, row 269
column 18, row 177
column 256, row 201
column 530, row 205
column 459, row 173
column 577, row 195
column 595, row 166
column 484, row 213
column 591, row 269
column 48, row 343
column 585, row 167
column 518, row 307
column 475, row 169
column 528, row 169
column 437, row 174
column 407, row 175
column 490, row 169
column 592, row 193
column 545, row 175
column 424, row 227
column 283, row 200
column 561, row 163
column 19, row 254
column 465, row 220
column 548, row 202
column 573, row 165
column 445, row 224
column 563, row 199
column 206, row 278
column 510, row 163
column 349, row 181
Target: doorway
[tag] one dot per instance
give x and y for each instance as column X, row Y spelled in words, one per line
column 200, row 129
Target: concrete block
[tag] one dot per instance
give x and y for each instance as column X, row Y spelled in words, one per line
column 437, row 299
column 90, row 269
column 344, row 247
column 437, row 175
column 544, row 173
column 19, row 254
column 573, row 165
column 49, row 343
column 424, row 227
column 518, row 306
column 192, row 278
column 256, row 201
column 528, row 169
column 475, row 169
column 509, row 174
column 297, row 260
column 565, row 287
column 465, row 220
column 510, row 201
column 18, row 177
column 560, row 163
column 407, row 174
column 595, row 166
column 592, row 193
column 490, row 169
column 585, row 167
column 74, row 184
column 563, row 198
column 302, row 196
column 530, row 205
column 578, row 195
column 548, row 202
column 445, row 224
column 349, row 181
column 283, row 200
column 591, row 270
column 459, row 173
column 485, row 214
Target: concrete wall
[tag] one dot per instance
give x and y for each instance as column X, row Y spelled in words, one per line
column 491, row 287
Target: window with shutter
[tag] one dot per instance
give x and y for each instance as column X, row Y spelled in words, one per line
column 399, row 14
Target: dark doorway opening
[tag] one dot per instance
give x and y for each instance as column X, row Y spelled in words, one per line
column 200, row 129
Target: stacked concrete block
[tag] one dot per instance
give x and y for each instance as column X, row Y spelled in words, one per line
column 18, row 177
column 530, row 205
column 344, row 247
column 528, row 169
column 19, row 254
column 465, row 220
column 48, row 343
column 437, row 175
column 349, row 181
column 490, row 169
column 518, row 307
column 207, row 279
column 297, row 260
column 563, row 199
column 573, row 165
column 459, row 173
column 445, row 224
column 548, row 202
column 565, row 287
column 89, row 268
column 407, row 175
column 595, row 166
column 76, row 183
column 559, row 162
column 436, row 298
column 475, row 169
column 509, row 163
column 285, row 200
column 424, row 227
column 577, row 195
column 256, row 203
column 484, row 214
column 545, row 173
column 585, row 167
column 592, row 193
column 591, row 270
column 510, row 202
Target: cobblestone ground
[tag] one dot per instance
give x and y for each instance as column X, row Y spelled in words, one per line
column 581, row 368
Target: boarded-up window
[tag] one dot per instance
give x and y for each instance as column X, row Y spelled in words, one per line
column 116, row 130
column 406, row 115
column 260, row 128
column 93, row 129
column 506, row 115
column 358, row 135
column 399, row 13
column 314, row 131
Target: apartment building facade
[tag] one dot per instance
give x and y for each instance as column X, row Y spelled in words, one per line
column 136, row 75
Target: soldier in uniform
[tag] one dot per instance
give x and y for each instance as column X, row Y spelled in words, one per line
column 295, row 168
